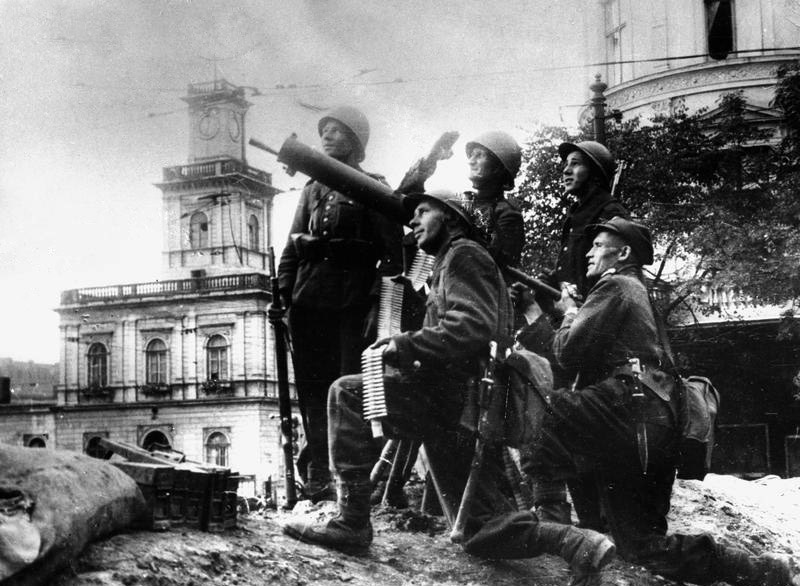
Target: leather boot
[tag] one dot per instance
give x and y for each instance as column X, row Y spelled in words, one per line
column 350, row 529
column 554, row 512
column 550, row 499
column 320, row 486
column 586, row 551
column 739, row 568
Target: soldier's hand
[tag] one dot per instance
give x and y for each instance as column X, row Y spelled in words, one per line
column 569, row 298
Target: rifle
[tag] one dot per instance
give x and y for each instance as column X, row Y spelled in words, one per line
column 488, row 429
column 365, row 190
column 275, row 313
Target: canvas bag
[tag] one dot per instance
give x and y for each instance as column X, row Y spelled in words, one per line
column 697, row 415
column 698, row 404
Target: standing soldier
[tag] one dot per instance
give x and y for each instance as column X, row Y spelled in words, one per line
column 329, row 280
column 468, row 307
column 494, row 159
column 588, row 174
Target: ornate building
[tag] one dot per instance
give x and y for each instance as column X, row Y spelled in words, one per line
column 665, row 55
column 185, row 362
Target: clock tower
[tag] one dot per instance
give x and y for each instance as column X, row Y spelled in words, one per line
column 217, row 208
column 216, row 121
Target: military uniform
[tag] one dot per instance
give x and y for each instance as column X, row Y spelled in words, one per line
column 597, row 426
column 328, row 270
column 498, row 224
column 597, row 206
column 468, row 307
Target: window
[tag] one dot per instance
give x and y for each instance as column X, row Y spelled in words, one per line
column 97, row 365
column 615, row 39
column 217, row 446
column 217, row 358
column 719, row 20
column 156, row 362
column 198, row 230
column 253, row 232
column 92, row 447
column 156, row 440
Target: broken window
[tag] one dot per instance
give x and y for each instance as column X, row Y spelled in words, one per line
column 156, row 362
column 719, row 21
column 217, row 358
column 97, row 365
column 198, row 230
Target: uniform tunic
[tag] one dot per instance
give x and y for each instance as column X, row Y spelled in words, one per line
column 468, row 306
column 596, row 427
column 596, row 207
column 330, row 275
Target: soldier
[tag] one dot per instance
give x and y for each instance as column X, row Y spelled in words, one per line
column 468, row 306
column 329, row 280
column 630, row 447
column 588, row 173
column 494, row 159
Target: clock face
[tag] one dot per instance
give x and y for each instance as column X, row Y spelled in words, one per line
column 208, row 125
column 234, row 126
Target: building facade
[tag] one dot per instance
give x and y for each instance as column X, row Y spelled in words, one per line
column 669, row 56
column 184, row 363
column 661, row 56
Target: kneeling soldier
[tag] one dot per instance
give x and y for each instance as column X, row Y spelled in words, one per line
column 620, row 423
column 468, row 306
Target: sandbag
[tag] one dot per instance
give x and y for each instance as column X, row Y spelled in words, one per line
column 52, row 504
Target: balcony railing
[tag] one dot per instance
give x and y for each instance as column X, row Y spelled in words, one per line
column 215, row 169
column 212, row 87
column 161, row 288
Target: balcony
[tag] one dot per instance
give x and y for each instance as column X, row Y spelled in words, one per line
column 220, row 283
column 217, row 168
column 213, row 87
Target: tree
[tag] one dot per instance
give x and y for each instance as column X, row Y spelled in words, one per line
column 720, row 194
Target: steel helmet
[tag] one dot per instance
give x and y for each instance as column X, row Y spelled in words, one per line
column 598, row 154
column 451, row 199
column 503, row 146
column 354, row 119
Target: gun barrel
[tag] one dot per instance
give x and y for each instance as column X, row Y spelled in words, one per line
column 535, row 284
column 260, row 145
column 336, row 175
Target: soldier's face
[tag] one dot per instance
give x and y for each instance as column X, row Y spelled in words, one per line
column 604, row 253
column 429, row 226
column 336, row 140
column 576, row 174
column 482, row 166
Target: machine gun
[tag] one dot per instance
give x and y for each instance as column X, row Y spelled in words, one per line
column 366, row 190
column 275, row 313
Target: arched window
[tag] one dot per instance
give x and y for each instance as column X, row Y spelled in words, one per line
column 217, row 358
column 156, row 440
column 217, row 446
column 198, row 230
column 95, row 450
column 156, row 362
column 253, row 233
column 97, row 365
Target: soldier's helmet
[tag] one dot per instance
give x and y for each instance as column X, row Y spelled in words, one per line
column 450, row 199
column 503, row 146
column 355, row 120
column 597, row 153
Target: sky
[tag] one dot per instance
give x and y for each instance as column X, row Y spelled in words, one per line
column 90, row 112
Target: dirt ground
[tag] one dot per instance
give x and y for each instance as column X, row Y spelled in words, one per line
column 411, row 549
